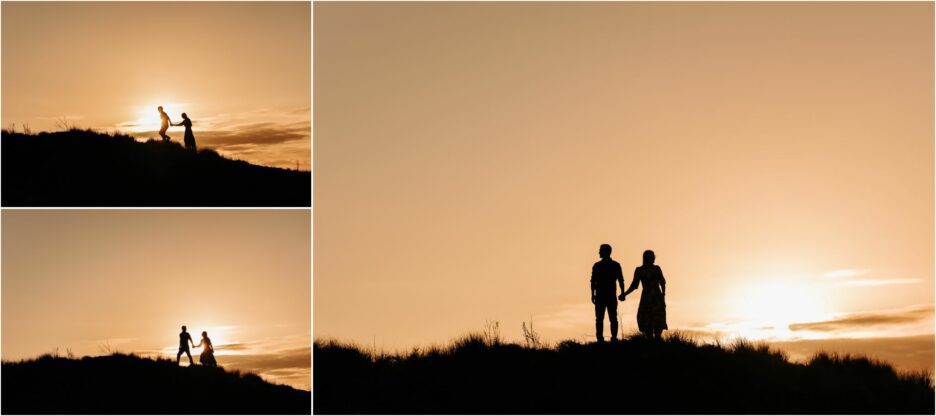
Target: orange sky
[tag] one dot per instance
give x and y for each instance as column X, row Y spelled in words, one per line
column 88, row 280
column 778, row 157
column 240, row 70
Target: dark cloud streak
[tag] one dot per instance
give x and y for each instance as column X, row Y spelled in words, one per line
column 294, row 358
column 238, row 346
column 257, row 134
column 864, row 320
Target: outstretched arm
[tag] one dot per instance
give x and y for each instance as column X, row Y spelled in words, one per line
column 634, row 283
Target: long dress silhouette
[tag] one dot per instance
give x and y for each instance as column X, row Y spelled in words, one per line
column 651, row 313
column 207, row 356
column 189, row 138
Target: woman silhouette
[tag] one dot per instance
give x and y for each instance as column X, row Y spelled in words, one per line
column 651, row 314
column 207, row 355
column 189, row 136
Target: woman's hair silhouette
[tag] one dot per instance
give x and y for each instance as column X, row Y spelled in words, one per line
column 648, row 257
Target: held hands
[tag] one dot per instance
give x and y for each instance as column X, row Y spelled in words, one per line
column 621, row 297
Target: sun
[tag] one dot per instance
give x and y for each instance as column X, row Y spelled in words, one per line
column 767, row 309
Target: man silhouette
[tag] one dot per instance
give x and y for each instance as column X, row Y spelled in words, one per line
column 165, row 123
column 604, row 273
column 184, row 340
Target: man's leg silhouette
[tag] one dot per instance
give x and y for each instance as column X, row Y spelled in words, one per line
column 612, row 317
column 599, row 319
column 602, row 305
column 178, row 356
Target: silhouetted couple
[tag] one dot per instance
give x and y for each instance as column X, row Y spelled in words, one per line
column 207, row 355
column 189, row 138
column 651, row 314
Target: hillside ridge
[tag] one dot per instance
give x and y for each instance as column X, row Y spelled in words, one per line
column 89, row 168
column 480, row 374
column 129, row 384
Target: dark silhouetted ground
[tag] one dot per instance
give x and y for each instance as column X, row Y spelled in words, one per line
column 126, row 384
column 86, row 168
column 637, row 375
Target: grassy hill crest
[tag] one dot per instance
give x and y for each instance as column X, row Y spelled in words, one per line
column 129, row 384
column 480, row 374
column 89, row 168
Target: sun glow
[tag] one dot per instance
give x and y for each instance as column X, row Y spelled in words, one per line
column 147, row 117
column 766, row 310
column 220, row 335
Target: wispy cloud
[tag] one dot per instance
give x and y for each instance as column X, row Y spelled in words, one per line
column 846, row 277
column 837, row 274
column 223, row 121
column 865, row 320
column 879, row 282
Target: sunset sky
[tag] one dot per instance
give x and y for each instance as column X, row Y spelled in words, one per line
column 778, row 157
column 127, row 280
column 241, row 71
